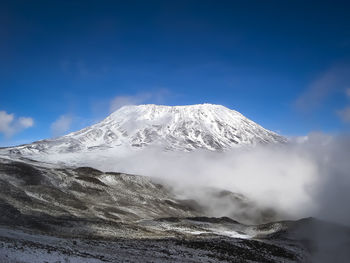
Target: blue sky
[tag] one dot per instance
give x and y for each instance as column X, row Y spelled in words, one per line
column 66, row 64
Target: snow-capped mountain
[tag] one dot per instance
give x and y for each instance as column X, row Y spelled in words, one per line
column 182, row 128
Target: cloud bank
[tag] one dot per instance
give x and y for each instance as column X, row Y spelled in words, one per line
column 10, row 125
column 309, row 177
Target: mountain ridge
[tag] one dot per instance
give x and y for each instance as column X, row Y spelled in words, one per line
column 180, row 128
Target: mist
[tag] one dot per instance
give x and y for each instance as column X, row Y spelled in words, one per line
column 308, row 176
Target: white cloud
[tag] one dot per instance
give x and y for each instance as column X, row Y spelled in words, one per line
column 61, row 125
column 140, row 98
column 121, row 101
column 308, row 177
column 9, row 124
column 344, row 114
column 25, row 122
column 5, row 122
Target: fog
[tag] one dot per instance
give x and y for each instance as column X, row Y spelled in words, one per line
column 309, row 176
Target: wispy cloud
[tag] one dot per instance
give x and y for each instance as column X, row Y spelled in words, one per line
column 139, row 98
column 61, row 125
column 344, row 114
column 336, row 79
column 10, row 125
column 121, row 101
column 347, row 92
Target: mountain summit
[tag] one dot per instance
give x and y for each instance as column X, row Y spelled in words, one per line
column 180, row 128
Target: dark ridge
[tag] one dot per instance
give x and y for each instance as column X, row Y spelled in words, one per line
column 118, row 174
column 11, row 216
column 77, row 187
column 169, row 219
column 187, row 205
column 24, row 172
column 90, row 180
column 52, row 194
column 191, row 205
column 88, row 171
column 8, row 213
column 244, row 251
column 66, row 225
column 215, row 220
column 114, row 173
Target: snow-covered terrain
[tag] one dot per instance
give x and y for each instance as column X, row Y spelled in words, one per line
column 178, row 128
column 25, row 247
column 54, row 210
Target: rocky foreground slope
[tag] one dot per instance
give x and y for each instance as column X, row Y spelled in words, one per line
column 60, row 214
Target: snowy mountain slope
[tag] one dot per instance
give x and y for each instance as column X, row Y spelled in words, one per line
column 172, row 128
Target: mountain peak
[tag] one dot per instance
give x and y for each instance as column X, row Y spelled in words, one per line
column 180, row 128
column 186, row 111
column 203, row 106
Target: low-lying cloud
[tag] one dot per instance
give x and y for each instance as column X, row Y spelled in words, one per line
column 10, row 125
column 299, row 179
column 305, row 177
